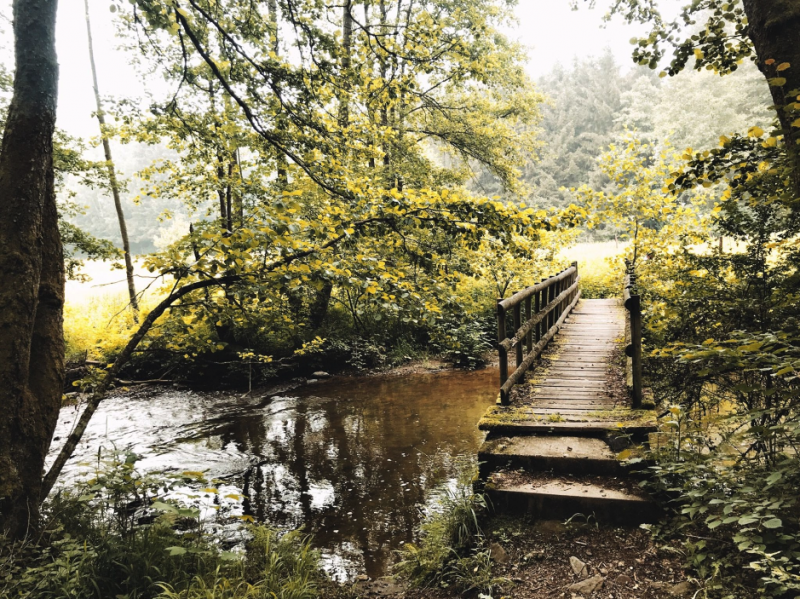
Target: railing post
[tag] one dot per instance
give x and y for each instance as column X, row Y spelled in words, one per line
column 517, row 325
column 528, row 316
column 636, row 342
column 633, row 333
column 574, row 280
column 503, row 355
column 540, row 303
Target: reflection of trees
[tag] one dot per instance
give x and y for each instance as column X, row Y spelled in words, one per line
column 379, row 446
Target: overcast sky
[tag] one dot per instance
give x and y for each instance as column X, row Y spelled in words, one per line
column 548, row 28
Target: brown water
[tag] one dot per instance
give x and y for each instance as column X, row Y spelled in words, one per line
column 356, row 461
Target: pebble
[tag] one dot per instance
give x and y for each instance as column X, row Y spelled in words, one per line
column 587, row 586
column 578, row 567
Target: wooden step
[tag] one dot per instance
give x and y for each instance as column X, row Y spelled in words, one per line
column 562, row 455
column 608, row 500
column 525, row 420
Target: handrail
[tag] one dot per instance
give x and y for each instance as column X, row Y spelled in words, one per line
column 547, row 305
column 633, row 335
column 509, row 302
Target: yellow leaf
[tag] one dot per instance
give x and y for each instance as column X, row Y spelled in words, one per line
column 755, row 132
column 783, row 66
column 796, row 123
column 698, row 54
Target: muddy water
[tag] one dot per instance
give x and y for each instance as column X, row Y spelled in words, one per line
column 353, row 460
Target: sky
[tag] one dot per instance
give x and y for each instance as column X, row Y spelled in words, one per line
column 552, row 32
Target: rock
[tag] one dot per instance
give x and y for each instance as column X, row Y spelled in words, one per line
column 588, row 586
column 320, row 374
column 603, row 571
column 681, row 589
column 497, row 553
column 578, row 567
column 311, row 381
column 624, row 580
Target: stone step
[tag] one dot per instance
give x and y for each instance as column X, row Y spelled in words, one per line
column 562, row 455
column 608, row 500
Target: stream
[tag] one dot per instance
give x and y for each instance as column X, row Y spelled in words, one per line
column 356, row 461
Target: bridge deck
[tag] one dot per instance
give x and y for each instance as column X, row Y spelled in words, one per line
column 580, row 388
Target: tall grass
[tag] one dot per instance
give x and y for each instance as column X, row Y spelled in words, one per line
column 106, row 538
column 452, row 550
column 601, row 267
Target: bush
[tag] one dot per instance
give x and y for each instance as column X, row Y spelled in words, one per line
column 464, row 344
column 452, row 550
column 109, row 537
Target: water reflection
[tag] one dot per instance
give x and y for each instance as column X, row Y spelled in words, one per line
column 353, row 460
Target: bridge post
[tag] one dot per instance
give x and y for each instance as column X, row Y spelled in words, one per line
column 528, row 316
column 633, row 348
column 503, row 354
column 517, row 325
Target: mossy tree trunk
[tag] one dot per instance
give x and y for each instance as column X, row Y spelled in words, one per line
column 31, row 271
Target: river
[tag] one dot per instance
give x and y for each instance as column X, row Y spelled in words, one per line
column 356, row 461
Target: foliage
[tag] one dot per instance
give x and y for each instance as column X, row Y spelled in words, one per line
column 636, row 205
column 117, row 535
column 452, row 551
column 721, row 327
column 464, row 344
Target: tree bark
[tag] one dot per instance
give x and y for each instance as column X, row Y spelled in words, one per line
column 773, row 27
column 112, row 175
column 282, row 169
column 347, row 59
column 31, row 271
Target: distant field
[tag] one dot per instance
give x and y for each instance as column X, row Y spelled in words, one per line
column 601, row 275
column 97, row 319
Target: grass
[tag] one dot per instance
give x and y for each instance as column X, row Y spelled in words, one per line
column 452, row 551
column 97, row 319
column 600, row 266
column 106, row 538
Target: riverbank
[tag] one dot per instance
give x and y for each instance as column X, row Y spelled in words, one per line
column 548, row 560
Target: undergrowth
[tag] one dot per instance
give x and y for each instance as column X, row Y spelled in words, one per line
column 119, row 536
column 452, row 551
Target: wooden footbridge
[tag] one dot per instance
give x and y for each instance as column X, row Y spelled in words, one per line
column 572, row 405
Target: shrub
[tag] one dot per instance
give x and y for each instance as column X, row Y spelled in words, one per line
column 108, row 538
column 452, row 548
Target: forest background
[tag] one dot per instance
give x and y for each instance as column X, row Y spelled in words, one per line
column 273, row 221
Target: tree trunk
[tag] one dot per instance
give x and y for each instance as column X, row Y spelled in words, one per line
column 347, row 49
column 773, row 29
column 318, row 309
column 31, row 271
column 282, row 170
column 112, row 175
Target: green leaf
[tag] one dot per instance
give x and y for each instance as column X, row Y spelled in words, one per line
column 164, row 507
column 176, row 550
column 772, row 523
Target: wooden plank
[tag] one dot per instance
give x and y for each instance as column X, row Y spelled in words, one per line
column 578, row 394
column 556, row 382
column 569, row 373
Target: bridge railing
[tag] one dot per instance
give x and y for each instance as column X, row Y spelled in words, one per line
column 633, row 335
column 547, row 305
